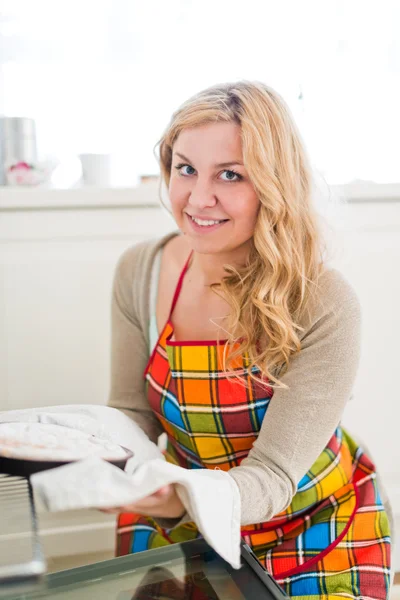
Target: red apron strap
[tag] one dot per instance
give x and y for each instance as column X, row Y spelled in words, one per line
column 175, row 298
column 179, row 285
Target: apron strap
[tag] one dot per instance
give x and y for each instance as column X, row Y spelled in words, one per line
column 179, row 284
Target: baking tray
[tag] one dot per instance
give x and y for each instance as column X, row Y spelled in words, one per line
column 26, row 467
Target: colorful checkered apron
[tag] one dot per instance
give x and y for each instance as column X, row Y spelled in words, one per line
column 332, row 541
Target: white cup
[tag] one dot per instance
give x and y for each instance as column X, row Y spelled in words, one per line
column 107, row 170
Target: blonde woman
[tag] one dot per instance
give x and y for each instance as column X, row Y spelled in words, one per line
column 234, row 337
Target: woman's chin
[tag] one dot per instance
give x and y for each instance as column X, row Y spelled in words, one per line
column 207, row 246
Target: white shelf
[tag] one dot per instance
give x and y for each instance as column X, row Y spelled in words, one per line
column 89, row 197
column 17, row 199
column 368, row 191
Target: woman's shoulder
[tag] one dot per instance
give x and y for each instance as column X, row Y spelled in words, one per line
column 336, row 288
column 139, row 257
column 334, row 296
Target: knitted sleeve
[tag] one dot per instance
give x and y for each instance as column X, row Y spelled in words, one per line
column 300, row 420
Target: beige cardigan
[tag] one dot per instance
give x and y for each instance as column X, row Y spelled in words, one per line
column 299, row 421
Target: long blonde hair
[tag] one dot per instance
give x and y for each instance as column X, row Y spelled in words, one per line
column 270, row 293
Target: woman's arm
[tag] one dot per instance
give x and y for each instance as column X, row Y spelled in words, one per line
column 129, row 357
column 129, row 347
column 300, row 421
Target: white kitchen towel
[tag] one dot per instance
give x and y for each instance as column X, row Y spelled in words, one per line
column 211, row 497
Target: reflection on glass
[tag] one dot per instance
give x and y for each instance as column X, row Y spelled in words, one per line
column 160, row 584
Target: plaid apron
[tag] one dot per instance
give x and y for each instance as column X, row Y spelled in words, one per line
column 332, row 541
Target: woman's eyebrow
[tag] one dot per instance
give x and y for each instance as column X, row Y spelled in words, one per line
column 224, row 164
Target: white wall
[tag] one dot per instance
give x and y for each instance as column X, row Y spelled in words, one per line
column 56, row 269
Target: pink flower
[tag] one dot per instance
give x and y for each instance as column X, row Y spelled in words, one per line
column 21, row 165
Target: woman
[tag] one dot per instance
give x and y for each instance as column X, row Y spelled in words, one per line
column 249, row 350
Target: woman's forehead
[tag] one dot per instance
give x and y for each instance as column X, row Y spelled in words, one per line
column 213, row 138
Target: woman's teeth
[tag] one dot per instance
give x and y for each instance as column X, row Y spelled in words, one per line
column 206, row 223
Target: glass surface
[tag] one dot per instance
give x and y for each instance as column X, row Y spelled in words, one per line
column 190, row 570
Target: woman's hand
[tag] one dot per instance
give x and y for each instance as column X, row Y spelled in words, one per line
column 164, row 502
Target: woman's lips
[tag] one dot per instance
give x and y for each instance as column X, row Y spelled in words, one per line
column 204, row 228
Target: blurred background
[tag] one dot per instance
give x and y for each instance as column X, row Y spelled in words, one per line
column 86, row 90
column 105, row 76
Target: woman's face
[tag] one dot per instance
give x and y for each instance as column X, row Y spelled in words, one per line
column 213, row 201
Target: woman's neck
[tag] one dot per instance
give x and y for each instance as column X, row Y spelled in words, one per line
column 209, row 268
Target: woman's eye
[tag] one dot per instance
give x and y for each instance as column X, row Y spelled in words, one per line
column 232, row 176
column 181, row 172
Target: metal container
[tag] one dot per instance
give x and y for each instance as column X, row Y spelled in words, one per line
column 17, row 142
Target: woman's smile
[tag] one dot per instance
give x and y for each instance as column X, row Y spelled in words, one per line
column 205, row 224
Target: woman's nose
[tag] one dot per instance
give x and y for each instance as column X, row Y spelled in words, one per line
column 202, row 195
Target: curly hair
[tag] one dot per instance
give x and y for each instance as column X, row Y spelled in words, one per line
column 269, row 294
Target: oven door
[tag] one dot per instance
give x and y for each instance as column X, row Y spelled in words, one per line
column 22, row 565
column 191, row 570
